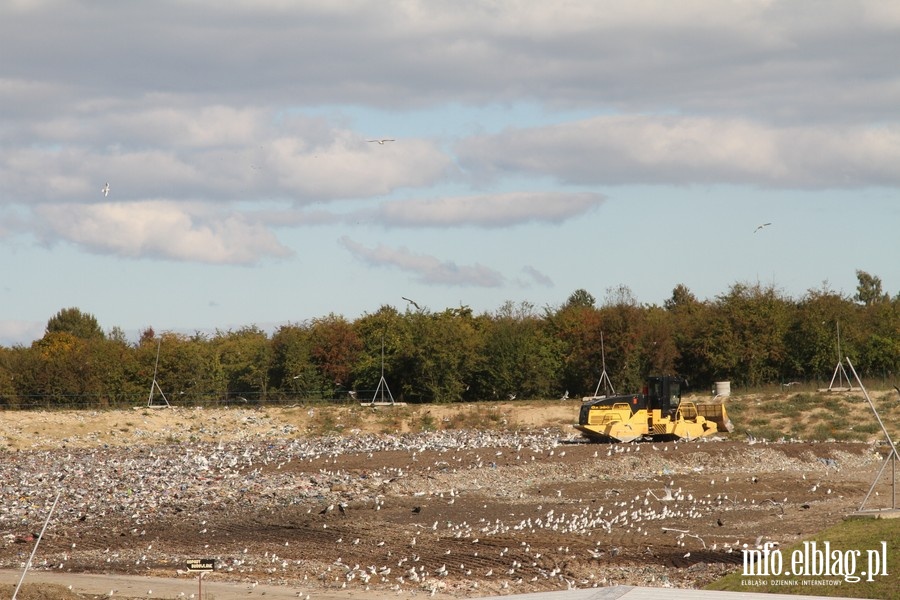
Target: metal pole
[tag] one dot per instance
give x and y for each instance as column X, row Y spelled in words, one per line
column 38, row 541
column 840, row 377
column 893, row 454
column 155, row 369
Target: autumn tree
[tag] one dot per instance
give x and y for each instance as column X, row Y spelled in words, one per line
column 58, row 370
column 335, row 349
column 659, row 352
column 9, row 397
column 622, row 319
column 577, row 326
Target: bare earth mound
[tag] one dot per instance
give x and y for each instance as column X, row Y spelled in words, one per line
column 353, row 502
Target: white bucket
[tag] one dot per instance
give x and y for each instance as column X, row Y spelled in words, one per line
column 723, row 388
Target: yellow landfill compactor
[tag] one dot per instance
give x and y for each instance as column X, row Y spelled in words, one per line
column 657, row 414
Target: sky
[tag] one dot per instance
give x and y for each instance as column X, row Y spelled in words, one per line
column 538, row 148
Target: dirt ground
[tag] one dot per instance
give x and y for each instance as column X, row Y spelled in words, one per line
column 354, row 502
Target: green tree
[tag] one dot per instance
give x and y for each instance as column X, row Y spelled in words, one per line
column 868, row 291
column 115, row 364
column 188, row 368
column 757, row 320
column 690, row 321
column 245, row 359
column 443, row 355
column 73, row 321
column 580, row 298
column 293, row 369
column 520, row 357
column 879, row 349
column 812, row 338
column 682, row 299
column 385, row 343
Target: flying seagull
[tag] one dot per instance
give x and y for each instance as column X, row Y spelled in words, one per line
column 105, row 189
column 382, row 141
column 761, row 226
column 411, row 302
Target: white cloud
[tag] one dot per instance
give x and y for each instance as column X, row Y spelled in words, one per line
column 160, row 229
column 686, row 150
column 537, row 277
column 784, row 58
column 209, row 153
column 14, row 332
column 488, row 210
column 351, row 168
column 425, row 269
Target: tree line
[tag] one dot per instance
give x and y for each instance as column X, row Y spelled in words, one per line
column 752, row 335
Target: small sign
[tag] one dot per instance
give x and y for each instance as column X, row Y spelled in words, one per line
column 201, row 564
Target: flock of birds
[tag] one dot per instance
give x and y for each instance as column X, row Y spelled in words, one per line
column 137, row 489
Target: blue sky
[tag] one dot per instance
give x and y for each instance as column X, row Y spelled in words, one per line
column 539, row 148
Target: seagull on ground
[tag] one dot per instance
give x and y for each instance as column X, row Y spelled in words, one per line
column 105, row 189
column 761, row 226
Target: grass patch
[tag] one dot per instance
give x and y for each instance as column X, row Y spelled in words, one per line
column 832, row 404
column 427, row 422
column 835, row 431
column 392, row 419
column 767, row 432
column 867, row 428
column 796, row 405
column 323, row 422
column 815, row 416
column 477, row 417
column 847, row 538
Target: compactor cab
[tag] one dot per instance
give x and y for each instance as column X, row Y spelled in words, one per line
column 664, row 393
